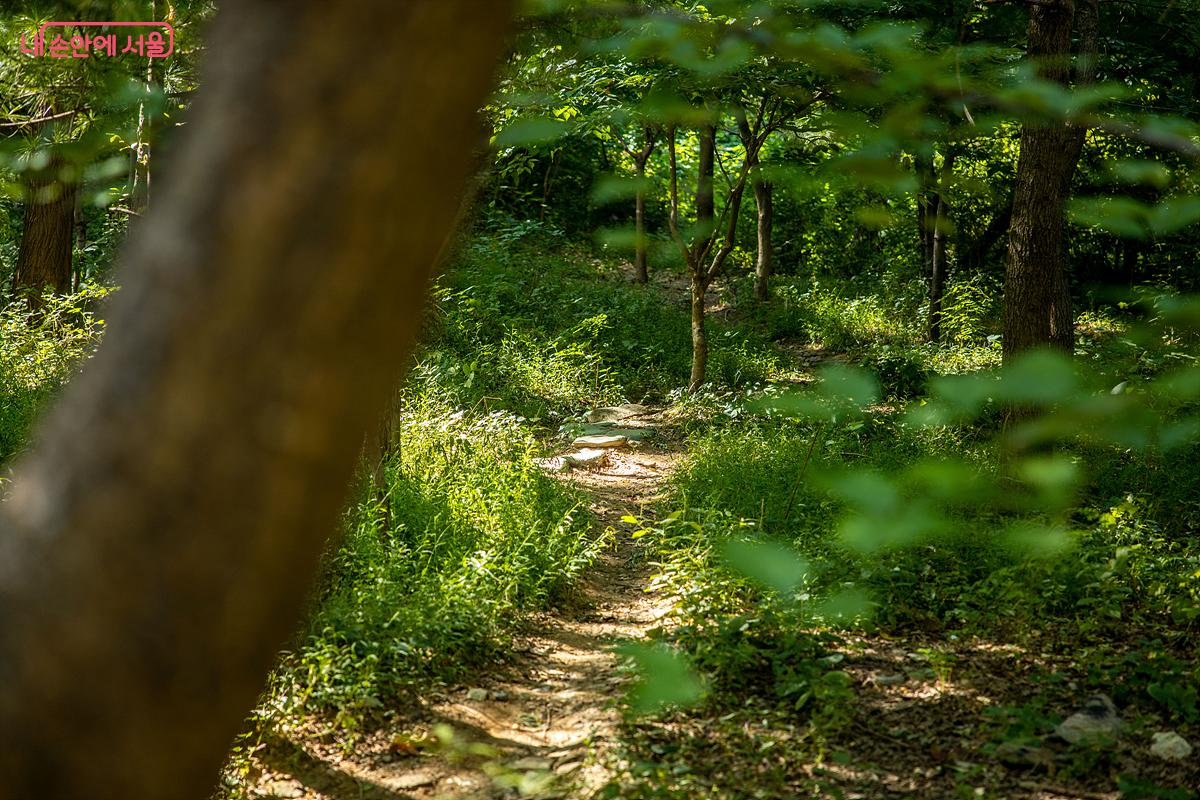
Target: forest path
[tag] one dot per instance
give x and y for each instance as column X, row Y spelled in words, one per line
column 542, row 720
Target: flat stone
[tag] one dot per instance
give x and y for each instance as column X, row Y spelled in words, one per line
column 610, row 429
column 288, row 788
column 890, row 680
column 600, row 440
column 531, row 763
column 616, row 413
column 413, row 780
column 567, row 767
column 477, row 694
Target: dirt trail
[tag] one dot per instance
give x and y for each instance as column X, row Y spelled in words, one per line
column 547, row 717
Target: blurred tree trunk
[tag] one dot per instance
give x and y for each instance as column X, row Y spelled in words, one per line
column 139, row 199
column 1037, row 293
column 937, row 249
column 764, row 260
column 47, row 233
column 640, row 159
column 158, row 544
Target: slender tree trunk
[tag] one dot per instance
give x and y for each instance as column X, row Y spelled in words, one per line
column 937, row 269
column 705, row 204
column 157, row 546
column 699, row 335
column 44, row 257
column 641, row 272
column 1037, row 296
column 139, row 199
column 765, row 258
column 640, row 159
column 925, row 181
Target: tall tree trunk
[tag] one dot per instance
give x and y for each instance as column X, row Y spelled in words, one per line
column 764, row 259
column 157, row 546
column 1037, row 295
column 699, row 335
column 44, row 258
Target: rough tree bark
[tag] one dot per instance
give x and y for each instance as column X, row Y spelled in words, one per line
column 764, row 260
column 1037, row 297
column 158, row 543
column 47, row 233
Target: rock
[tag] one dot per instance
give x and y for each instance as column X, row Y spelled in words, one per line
column 889, row 680
column 500, row 696
column 477, row 694
column 600, row 440
column 412, row 780
column 288, row 788
column 609, row 429
column 1171, row 746
column 588, row 457
column 615, row 413
column 1025, row 753
column 1096, row 723
column 531, row 763
column 567, row 767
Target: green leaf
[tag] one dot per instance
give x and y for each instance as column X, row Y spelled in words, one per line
column 665, row 678
column 530, row 131
column 770, row 563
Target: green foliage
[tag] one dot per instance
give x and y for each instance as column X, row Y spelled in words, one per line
column 39, row 352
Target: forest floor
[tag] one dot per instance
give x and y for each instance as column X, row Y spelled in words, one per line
column 543, row 722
